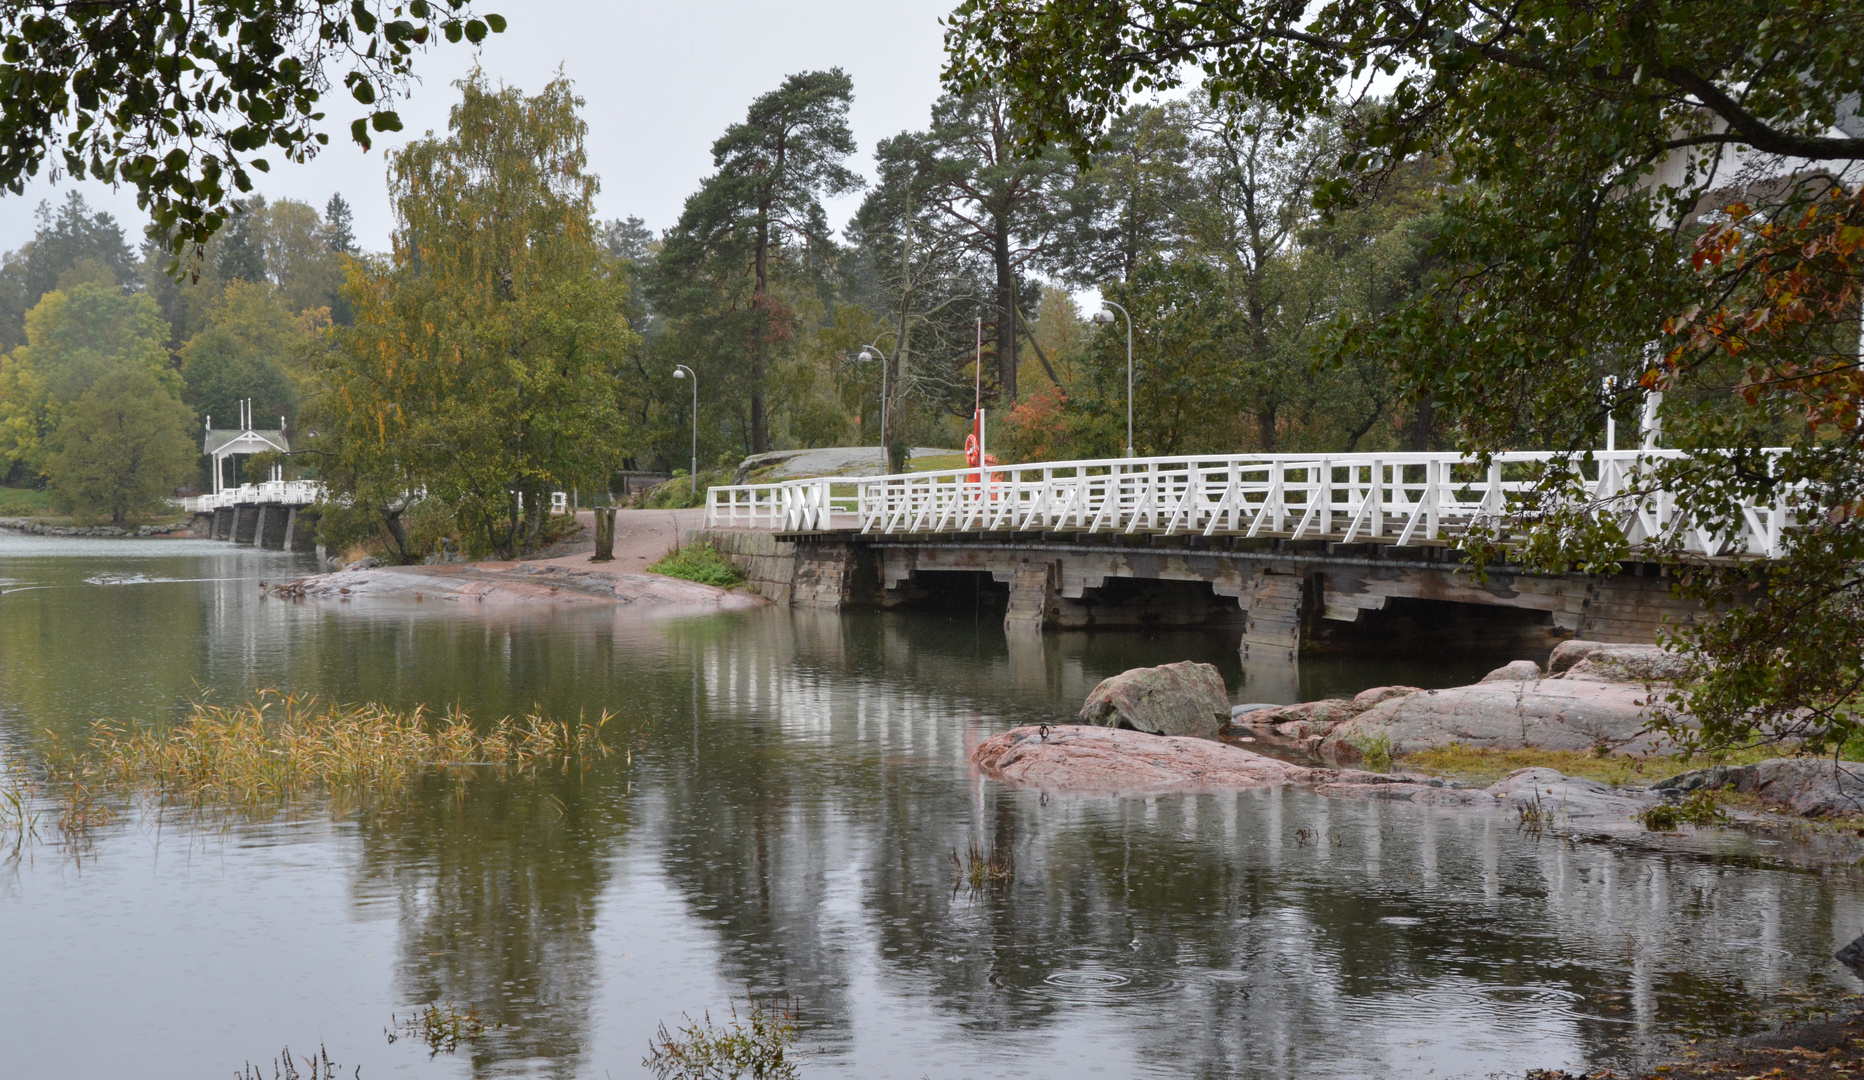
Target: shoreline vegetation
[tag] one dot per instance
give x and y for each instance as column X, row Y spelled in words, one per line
column 278, row 751
column 699, row 562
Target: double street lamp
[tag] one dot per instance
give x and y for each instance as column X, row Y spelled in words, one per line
column 681, row 371
column 1104, row 316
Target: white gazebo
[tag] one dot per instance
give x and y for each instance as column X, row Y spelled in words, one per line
column 245, row 440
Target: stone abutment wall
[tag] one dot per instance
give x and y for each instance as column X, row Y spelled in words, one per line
column 1285, row 598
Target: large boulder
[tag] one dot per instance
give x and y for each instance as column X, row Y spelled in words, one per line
column 1185, row 698
column 1602, row 661
column 1814, row 787
column 1514, row 671
column 1544, row 714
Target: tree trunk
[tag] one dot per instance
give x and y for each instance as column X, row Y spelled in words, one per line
column 1421, row 423
column 1006, row 318
column 760, row 307
column 1265, row 428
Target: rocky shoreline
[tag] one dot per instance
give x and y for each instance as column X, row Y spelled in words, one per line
column 1155, row 731
column 515, row 583
column 29, row 527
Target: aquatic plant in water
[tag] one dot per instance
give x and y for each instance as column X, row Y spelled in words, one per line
column 279, row 747
column 756, row 1047
column 442, row 1026
column 285, row 1067
column 979, row 868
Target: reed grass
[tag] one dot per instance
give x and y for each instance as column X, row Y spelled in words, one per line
column 756, row 1047
column 982, row 868
column 442, row 1026
column 279, row 747
column 19, row 811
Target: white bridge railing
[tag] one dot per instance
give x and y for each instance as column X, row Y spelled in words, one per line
column 288, row 492
column 1397, row 498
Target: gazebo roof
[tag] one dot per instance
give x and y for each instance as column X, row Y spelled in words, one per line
column 222, row 441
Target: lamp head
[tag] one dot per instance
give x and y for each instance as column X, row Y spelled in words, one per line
column 865, row 356
column 679, row 373
column 1104, row 315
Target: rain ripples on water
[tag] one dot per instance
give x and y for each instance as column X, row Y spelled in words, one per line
column 782, row 823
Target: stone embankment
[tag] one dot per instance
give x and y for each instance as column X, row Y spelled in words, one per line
column 40, row 528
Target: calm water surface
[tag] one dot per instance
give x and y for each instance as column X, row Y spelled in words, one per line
column 786, row 825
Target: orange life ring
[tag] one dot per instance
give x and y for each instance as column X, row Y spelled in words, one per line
column 970, row 449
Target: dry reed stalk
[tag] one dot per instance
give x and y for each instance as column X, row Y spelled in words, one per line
column 280, row 746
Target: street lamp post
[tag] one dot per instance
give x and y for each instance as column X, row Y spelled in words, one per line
column 1105, row 316
column 681, row 371
column 871, row 352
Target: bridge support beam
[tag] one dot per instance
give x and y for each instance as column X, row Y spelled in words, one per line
column 269, row 533
column 301, row 530
column 1276, row 607
column 245, row 524
column 1033, row 600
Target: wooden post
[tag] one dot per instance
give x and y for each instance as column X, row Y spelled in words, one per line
column 604, row 534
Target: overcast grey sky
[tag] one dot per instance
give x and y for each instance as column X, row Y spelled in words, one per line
column 660, row 80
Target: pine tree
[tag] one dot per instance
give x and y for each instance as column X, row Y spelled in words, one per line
column 773, row 170
column 339, row 234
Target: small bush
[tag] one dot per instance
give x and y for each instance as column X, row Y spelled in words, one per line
column 1375, row 751
column 701, row 563
column 1700, row 808
column 678, row 493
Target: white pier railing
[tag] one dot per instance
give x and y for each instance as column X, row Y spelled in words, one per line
column 287, row 492
column 1397, row 498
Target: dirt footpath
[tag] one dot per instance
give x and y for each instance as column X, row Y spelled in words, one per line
column 641, row 538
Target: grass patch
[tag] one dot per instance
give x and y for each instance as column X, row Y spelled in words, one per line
column 279, row 748
column 1481, row 766
column 699, row 562
column 24, row 502
column 937, row 463
column 757, row 1046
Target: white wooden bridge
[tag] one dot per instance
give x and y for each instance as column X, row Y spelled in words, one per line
column 1401, row 499
column 272, row 492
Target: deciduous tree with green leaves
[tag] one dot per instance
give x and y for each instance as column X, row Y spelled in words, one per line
column 122, row 447
column 483, row 367
column 179, row 98
column 1585, row 148
column 251, row 348
column 72, row 341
